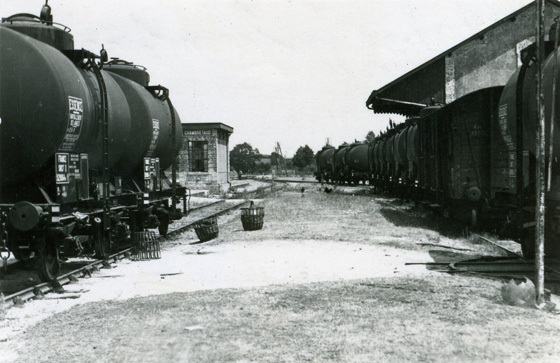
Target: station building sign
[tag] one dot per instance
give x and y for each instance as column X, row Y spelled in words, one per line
column 196, row 132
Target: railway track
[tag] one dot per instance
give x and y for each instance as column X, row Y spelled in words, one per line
column 86, row 269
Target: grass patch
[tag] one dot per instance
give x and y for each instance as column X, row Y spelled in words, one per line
column 440, row 319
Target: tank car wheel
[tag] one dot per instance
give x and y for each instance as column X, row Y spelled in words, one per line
column 49, row 263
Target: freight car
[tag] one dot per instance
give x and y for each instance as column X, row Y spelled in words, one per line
column 340, row 168
column 83, row 147
column 474, row 158
column 324, row 162
column 357, row 160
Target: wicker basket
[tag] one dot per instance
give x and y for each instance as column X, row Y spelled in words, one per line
column 252, row 218
column 207, row 229
column 147, row 246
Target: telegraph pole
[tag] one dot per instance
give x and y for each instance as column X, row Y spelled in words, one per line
column 540, row 155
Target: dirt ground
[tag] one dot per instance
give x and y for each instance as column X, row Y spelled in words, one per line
column 325, row 280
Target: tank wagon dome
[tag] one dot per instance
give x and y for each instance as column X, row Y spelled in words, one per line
column 128, row 70
column 41, row 28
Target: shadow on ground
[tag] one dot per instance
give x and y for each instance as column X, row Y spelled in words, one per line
column 420, row 218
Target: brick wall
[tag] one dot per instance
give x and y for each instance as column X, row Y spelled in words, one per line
column 217, row 177
column 491, row 59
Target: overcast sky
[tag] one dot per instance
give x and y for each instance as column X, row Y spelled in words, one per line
column 297, row 72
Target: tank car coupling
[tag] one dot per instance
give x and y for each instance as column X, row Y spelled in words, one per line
column 25, row 216
column 474, row 194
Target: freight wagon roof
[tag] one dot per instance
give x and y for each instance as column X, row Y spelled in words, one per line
column 379, row 102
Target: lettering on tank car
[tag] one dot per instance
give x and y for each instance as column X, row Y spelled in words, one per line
column 478, row 131
column 155, row 136
column 62, row 168
column 502, row 119
column 75, row 118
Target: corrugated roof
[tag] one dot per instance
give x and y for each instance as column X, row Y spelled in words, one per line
column 385, row 105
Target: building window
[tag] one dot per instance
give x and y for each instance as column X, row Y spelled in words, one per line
column 198, row 156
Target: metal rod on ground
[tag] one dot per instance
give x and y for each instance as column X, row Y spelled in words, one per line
column 540, row 155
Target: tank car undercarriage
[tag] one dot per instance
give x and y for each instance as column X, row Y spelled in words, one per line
column 75, row 223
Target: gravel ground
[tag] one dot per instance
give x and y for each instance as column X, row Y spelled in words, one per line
column 292, row 249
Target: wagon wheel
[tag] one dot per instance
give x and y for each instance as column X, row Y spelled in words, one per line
column 49, row 263
column 163, row 224
column 101, row 245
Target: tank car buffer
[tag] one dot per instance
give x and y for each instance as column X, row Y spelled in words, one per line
column 84, row 145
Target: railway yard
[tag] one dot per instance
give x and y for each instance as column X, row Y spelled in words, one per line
column 123, row 237
column 354, row 275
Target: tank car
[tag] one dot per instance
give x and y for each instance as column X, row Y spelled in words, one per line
column 340, row 168
column 390, row 156
column 373, row 161
column 83, row 147
column 324, row 162
column 514, row 182
column 412, row 149
column 381, row 164
column 358, row 162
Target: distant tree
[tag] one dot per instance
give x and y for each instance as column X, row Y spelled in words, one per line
column 303, row 157
column 370, row 137
column 263, row 168
column 243, row 158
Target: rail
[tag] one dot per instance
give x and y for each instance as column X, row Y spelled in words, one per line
column 32, row 292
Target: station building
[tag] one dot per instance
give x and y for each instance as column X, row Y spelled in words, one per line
column 487, row 59
column 204, row 156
